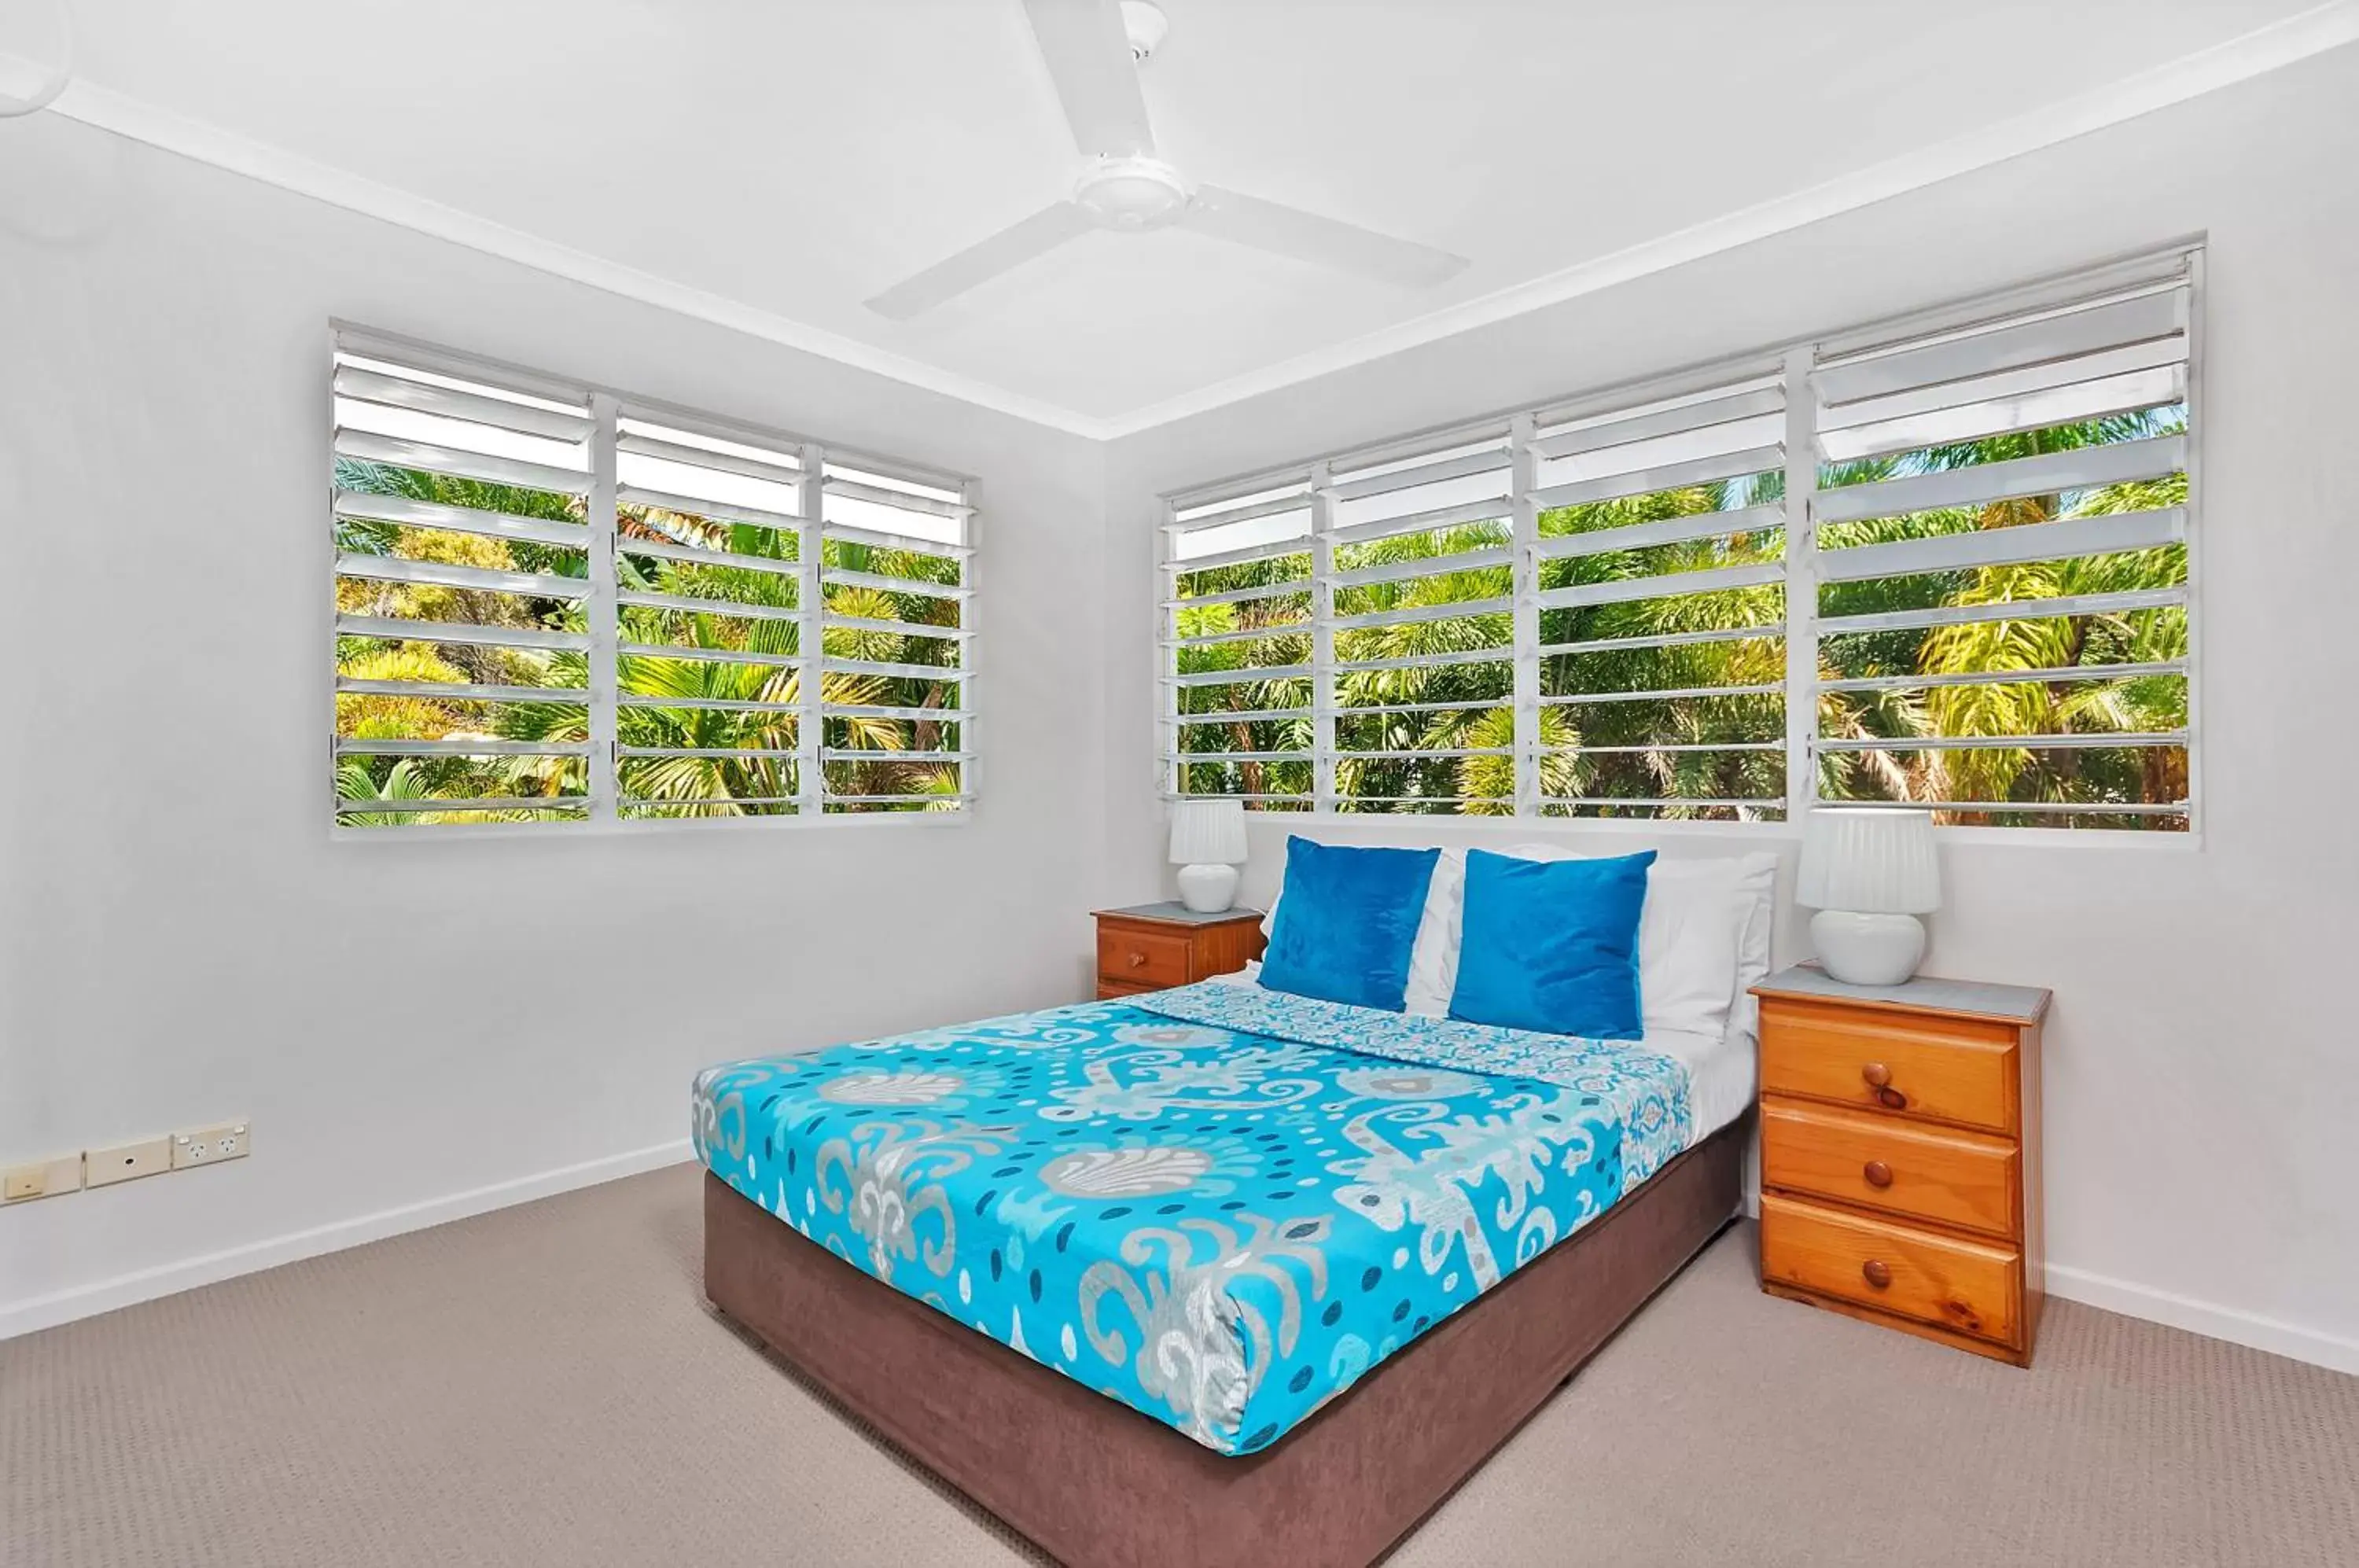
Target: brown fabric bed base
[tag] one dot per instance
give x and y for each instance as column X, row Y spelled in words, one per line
column 1097, row 1485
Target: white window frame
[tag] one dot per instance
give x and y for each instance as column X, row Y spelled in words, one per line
column 1795, row 365
column 606, row 407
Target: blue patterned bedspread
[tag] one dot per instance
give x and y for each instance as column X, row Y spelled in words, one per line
column 1218, row 1204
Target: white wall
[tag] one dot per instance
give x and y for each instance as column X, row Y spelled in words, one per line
column 2202, row 1081
column 408, row 1023
column 180, row 940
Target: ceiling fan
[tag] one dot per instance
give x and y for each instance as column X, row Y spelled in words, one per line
column 1093, row 50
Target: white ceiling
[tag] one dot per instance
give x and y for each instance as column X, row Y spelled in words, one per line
column 791, row 157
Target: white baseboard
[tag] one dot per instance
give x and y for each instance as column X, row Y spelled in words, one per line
column 146, row 1284
column 2207, row 1318
column 2172, row 1311
column 2112, row 1295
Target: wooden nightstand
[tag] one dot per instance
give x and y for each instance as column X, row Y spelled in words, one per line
column 1152, row 947
column 1900, row 1155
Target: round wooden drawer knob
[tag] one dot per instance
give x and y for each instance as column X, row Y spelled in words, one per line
column 1139, row 961
column 1877, row 1173
column 1877, row 1074
column 1876, row 1273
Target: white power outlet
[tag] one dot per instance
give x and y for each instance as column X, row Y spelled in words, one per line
column 210, row 1146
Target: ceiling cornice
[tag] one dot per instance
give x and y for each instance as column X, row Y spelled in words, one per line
column 2284, row 43
column 2253, row 54
column 126, row 116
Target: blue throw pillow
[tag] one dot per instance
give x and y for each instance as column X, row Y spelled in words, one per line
column 1346, row 920
column 1553, row 945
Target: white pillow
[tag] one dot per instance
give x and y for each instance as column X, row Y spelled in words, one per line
column 1692, row 935
column 1433, row 959
column 1759, row 884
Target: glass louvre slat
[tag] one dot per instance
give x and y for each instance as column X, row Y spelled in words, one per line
column 884, row 584
column 2147, row 315
column 697, row 555
column 458, row 746
column 641, row 498
column 1972, row 484
column 1628, row 432
column 489, row 468
column 566, row 532
column 840, row 537
column 2017, row 400
column 439, row 574
column 479, row 407
column 458, row 689
column 686, row 449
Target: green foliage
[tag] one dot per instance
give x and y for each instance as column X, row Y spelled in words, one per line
column 671, row 703
column 1721, row 739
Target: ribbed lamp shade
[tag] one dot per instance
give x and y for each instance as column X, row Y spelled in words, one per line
column 1208, row 833
column 1869, row 859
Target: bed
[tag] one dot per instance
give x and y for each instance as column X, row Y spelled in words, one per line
column 1214, row 1274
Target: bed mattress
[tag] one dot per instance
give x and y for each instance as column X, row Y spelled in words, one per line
column 1720, row 1066
column 1220, row 1205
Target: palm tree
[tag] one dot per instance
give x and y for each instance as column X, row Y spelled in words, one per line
column 1674, row 749
column 410, row 717
column 1398, row 710
column 717, row 705
column 2036, row 641
column 1285, row 643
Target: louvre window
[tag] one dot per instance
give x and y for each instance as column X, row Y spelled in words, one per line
column 460, row 510
column 557, row 605
column 1239, row 611
column 893, row 637
column 1422, row 593
column 1661, row 543
column 1943, row 564
column 708, row 614
column 2002, row 562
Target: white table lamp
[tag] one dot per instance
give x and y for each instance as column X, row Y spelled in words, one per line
column 1869, row 871
column 1208, row 845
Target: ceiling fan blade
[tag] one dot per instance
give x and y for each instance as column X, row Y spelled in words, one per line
column 1290, row 231
column 1089, row 58
column 1006, row 251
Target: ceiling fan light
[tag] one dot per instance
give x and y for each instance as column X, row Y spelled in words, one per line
column 1143, row 25
column 1132, row 194
column 36, row 55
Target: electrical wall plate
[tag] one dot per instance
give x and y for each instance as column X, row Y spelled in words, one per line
column 41, row 1179
column 210, row 1146
column 128, row 1161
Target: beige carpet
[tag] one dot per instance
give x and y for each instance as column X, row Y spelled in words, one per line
column 545, row 1386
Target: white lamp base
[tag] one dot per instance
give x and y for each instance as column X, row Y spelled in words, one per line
column 1867, row 950
column 1208, row 889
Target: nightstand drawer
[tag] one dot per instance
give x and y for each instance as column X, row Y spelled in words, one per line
column 1146, row 959
column 1966, row 1287
column 1950, row 1069
column 1882, row 1162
